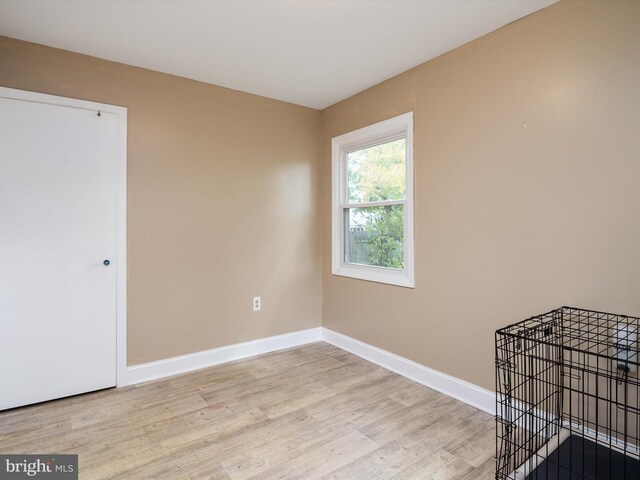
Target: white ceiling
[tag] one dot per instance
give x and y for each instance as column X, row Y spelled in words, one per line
column 313, row 53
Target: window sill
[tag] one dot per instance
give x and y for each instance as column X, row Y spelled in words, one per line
column 399, row 278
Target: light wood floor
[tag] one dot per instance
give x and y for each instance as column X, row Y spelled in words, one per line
column 314, row 412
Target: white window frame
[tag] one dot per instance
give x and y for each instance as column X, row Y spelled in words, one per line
column 385, row 131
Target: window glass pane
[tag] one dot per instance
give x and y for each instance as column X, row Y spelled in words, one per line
column 377, row 173
column 375, row 236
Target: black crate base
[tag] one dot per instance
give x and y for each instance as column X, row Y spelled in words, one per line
column 580, row 459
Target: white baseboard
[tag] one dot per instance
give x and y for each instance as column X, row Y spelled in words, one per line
column 451, row 386
column 208, row 358
column 466, row 392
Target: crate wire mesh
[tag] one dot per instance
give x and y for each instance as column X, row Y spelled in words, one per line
column 568, row 397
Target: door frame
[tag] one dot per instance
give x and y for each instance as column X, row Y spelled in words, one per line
column 121, row 227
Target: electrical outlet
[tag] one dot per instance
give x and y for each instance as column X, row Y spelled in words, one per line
column 257, row 303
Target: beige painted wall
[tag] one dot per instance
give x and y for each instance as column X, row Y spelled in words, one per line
column 223, row 201
column 224, row 192
column 510, row 222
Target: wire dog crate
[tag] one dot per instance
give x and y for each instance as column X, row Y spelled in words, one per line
column 568, row 397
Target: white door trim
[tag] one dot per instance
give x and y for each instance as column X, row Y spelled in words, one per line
column 121, row 242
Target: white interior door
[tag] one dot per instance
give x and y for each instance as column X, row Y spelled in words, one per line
column 58, row 230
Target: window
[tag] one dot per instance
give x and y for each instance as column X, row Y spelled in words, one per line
column 373, row 202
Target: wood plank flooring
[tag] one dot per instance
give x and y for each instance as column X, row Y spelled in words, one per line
column 314, row 412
